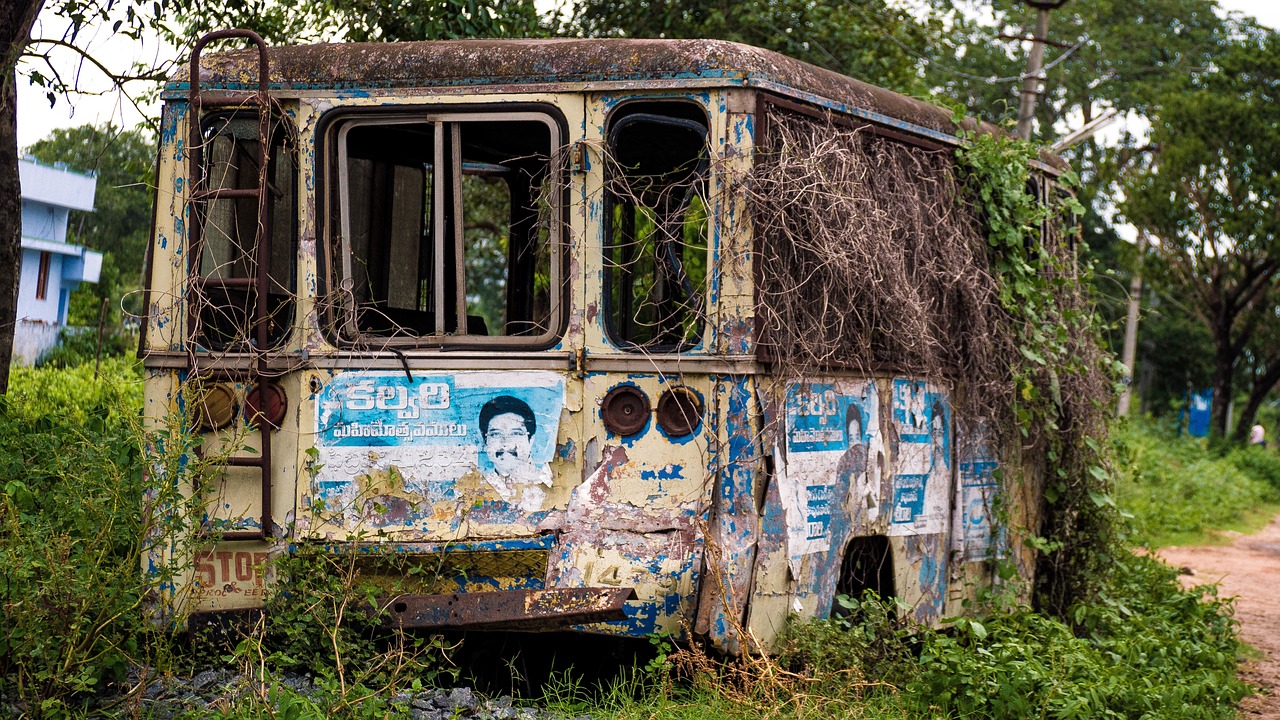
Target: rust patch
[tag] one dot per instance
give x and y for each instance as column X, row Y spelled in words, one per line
column 508, row 609
column 597, row 487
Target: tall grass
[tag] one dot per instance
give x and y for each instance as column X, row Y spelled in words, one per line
column 1177, row 488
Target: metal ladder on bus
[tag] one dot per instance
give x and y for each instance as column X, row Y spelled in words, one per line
column 259, row 284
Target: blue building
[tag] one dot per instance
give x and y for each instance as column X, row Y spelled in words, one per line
column 51, row 267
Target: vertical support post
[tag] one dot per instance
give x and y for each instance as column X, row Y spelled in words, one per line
column 1130, row 353
column 1031, row 81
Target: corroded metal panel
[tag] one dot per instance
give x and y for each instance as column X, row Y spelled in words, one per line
column 506, row 609
column 854, row 457
column 634, row 519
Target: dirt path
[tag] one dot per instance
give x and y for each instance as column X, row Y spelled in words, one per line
column 1248, row 568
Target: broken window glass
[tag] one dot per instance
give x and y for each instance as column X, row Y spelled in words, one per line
column 656, row 234
column 228, row 246
column 446, row 230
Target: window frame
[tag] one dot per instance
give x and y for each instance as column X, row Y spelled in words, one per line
column 285, row 131
column 340, row 325
column 607, row 276
column 42, row 275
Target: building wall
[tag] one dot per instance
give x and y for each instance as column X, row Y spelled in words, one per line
column 41, row 221
column 49, row 194
column 29, row 308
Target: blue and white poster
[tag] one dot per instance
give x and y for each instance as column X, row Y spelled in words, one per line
column 973, row 534
column 1199, row 409
column 922, row 420
column 478, row 437
column 830, row 481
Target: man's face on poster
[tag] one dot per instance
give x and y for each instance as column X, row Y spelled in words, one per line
column 507, row 443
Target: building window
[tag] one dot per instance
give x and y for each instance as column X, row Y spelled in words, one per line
column 42, row 280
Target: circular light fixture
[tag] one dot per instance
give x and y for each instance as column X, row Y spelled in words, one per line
column 625, row 410
column 266, row 404
column 679, row 411
column 213, row 407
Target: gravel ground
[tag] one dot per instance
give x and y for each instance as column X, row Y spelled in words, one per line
column 167, row 698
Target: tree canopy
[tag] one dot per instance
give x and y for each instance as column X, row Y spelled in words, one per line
column 1206, row 187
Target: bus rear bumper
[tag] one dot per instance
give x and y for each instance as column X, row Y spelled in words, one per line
column 507, row 609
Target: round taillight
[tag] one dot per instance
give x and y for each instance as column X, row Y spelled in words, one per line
column 625, row 410
column 266, row 404
column 679, row 411
column 213, row 407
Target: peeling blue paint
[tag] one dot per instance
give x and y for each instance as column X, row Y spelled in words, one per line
column 669, row 472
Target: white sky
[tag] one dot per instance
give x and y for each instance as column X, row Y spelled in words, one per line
column 36, row 118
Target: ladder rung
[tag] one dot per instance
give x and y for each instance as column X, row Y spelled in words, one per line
column 215, row 99
column 243, row 461
column 207, row 282
column 226, row 193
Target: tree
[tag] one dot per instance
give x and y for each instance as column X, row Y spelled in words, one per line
column 301, row 21
column 1259, row 368
column 1108, row 53
column 120, row 222
column 16, row 19
column 867, row 39
column 1207, row 188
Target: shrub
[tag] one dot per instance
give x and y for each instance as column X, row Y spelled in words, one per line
column 71, row 528
column 79, row 346
column 1175, row 484
column 1147, row 648
column 1260, row 464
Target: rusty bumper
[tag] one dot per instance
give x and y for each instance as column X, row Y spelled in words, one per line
column 507, row 609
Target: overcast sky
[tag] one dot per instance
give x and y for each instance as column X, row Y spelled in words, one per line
column 36, row 118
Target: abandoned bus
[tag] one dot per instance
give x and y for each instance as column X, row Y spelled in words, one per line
column 501, row 308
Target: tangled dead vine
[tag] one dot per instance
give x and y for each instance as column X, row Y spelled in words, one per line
column 869, row 261
column 877, row 256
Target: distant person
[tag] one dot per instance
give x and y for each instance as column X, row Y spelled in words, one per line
column 1258, row 436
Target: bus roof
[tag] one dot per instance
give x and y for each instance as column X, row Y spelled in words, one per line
column 569, row 64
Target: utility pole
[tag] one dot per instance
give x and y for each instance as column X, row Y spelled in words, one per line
column 1031, row 80
column 1130, row 353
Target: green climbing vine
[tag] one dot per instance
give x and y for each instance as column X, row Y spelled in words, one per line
column 1061, row 375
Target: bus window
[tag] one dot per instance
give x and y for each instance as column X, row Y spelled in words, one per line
column 229, row 227
column 656, row 238
column 443, row 229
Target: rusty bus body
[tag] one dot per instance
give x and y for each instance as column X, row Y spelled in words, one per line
column 574, row 424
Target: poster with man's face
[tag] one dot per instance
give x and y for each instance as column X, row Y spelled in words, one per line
column 468, row 438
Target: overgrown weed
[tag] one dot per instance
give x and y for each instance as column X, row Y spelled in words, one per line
column 1145, row 648
column 1178, row 489
column 78, row 515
